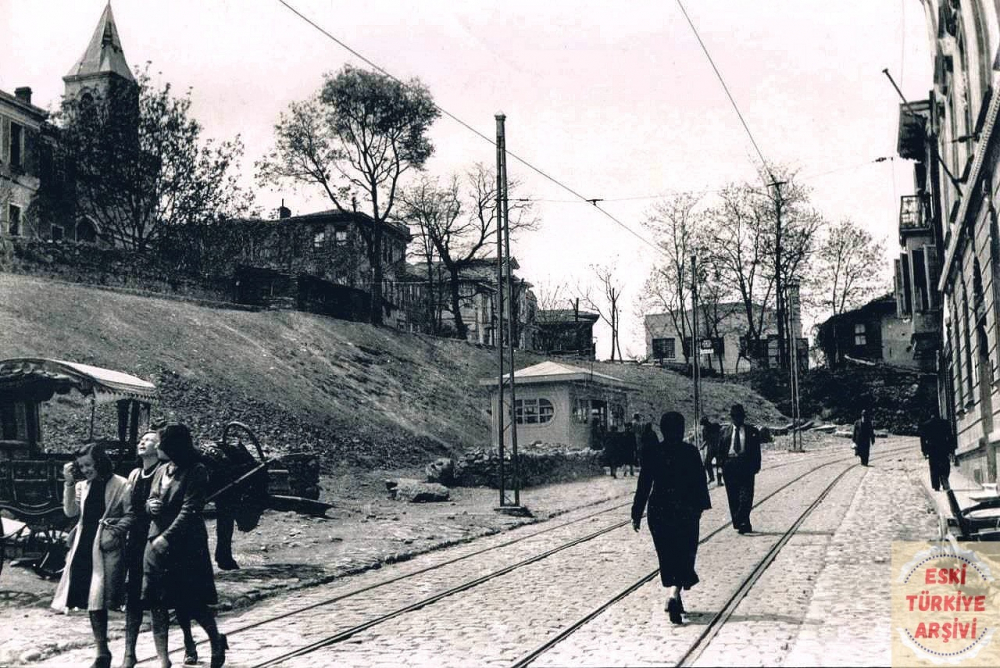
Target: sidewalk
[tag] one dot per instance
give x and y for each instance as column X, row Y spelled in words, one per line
column 967, row 491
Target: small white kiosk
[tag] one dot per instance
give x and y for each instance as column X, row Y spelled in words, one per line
column 559, row 403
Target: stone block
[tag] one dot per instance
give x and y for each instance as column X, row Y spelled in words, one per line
column 415, row 491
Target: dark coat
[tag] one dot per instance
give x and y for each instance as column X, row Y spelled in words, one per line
column 179, row 576
column 673, row 484
column 750, row 457
column 937, row 441
column 671, row 481
column 863, row 434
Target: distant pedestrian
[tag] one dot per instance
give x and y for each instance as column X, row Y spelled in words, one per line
column 863, row 437
column 636, row 430
column 741, row 443
column 711, row 434
column 177, row 567
column 672, row 483
column 937, row 442
column 94, row 576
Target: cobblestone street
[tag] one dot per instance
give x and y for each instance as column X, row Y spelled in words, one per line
column 808, row 608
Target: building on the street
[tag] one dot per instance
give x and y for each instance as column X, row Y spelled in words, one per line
column 559, row 403
column 566, row 332
column 873, row 332
column 722, row 334
column 428, row 301
column 21, row 128
column 951, row 226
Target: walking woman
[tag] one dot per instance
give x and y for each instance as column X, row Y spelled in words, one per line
column 140, row 482
column 94, row 577
column 177, row 567
column 673, row 482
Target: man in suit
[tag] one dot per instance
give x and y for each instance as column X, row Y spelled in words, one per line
column 937, row 442
column 863, row 437
column 741, row 443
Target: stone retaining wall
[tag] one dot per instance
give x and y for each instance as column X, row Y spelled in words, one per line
column 537, row 467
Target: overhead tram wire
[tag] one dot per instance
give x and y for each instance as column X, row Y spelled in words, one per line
column 588, row 200
column 732, row 101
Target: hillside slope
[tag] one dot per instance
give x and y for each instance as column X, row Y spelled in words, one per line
column 364, row 396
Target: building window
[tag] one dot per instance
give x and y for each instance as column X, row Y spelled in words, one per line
column 14, row 221
column 56, row 233
column 533, row 411
column 860, row 335
column 16, row 145
column 319, row 239
column 340, row 236
column 581, row 410
column 665, row 348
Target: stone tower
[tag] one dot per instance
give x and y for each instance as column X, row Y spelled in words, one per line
column 102, row 71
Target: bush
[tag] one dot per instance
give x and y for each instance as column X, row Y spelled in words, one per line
column 898, row 400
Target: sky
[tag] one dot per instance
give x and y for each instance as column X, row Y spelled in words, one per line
column 614, row 100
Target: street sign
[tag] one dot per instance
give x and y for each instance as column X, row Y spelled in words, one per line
column 706, row 344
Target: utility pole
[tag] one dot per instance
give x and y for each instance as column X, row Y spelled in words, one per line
column 498, row 315
column 794, row 377
column 511, row 313
column 695, row 350
column 778, row 292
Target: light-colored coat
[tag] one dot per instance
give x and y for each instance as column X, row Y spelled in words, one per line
column 107, row 583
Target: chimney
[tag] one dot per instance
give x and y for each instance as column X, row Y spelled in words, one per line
column 23, row 94
column 284, row 211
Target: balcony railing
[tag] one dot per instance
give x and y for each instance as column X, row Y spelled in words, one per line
column 911, row 215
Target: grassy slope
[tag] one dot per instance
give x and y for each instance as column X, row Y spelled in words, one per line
column 364, row 395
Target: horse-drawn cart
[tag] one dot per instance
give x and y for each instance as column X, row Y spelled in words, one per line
column 32, row 522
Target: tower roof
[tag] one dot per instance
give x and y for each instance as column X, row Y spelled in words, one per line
column 104, row 54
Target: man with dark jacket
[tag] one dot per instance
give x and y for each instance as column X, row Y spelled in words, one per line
column 863, row 437
column 937, row 442
column 741, row 443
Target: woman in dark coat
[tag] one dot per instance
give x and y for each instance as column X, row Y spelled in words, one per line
column 140, row 482
column 673, row 482
column 177, row 567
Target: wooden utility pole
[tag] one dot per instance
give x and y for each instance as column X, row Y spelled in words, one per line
column 779, row 294
column 695, row 349
column 511, row 313
column 498, row 315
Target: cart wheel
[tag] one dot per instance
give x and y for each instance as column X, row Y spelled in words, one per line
column 240, row 427
column 51, row 544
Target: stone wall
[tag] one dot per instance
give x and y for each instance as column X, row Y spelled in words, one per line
column 480, row 468
column 109, row 267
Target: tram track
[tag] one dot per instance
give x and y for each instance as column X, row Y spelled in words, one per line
column 715, row 624
column 345, row 634
column 426, row 601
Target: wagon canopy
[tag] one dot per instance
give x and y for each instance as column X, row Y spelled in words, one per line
column 38, row 379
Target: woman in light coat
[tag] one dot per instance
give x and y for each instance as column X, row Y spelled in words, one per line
column 94, row 577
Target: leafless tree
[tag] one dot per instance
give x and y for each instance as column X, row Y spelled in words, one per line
column 668, row 288
column 554, row 295
column 851, row 265
column 605, row 300
column 458, row 221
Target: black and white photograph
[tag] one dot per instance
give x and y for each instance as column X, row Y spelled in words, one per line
column 455, row 334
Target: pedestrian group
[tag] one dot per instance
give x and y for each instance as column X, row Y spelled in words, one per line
column 141, row 542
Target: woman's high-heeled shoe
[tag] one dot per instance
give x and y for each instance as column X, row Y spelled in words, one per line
column 673, row 610
column 190, row 653
column 219, row 647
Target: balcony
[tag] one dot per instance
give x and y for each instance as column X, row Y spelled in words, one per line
column 911, row 140
column 912, row 217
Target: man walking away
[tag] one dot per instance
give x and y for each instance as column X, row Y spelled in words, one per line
column 741, row 442
column 863, row 437
column 711, row 434
column 937, row 442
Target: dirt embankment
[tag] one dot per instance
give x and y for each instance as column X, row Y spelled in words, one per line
column 363, row 396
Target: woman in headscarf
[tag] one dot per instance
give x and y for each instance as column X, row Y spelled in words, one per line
column 94, row 576
column 140, row 482
column 177, row 567
column 673, row 483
